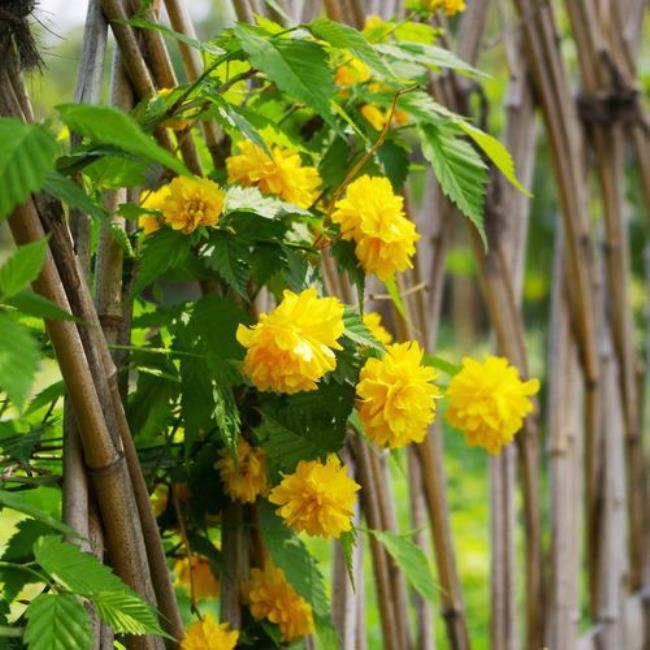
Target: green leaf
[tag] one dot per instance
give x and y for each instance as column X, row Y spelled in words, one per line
column 22, row 268
column 26, row 155
column 396, row 296
column 290, row 554
column 46, row 397
column 461, row 172
column 428, row 56
column 161, row 251
column 14, row 501
column 346, row 260
column 77, row 571
column 19, row 355
column 35, row 305
column 356, row 331
column 57, row 622
column 306, row 425
column 73, row 195
column 227, row 416
column 496, row 152
column 298, row 68
column 439, row 363
column 348, row 541
column 344, row 36
column 230, row 258
column 126, row 613
column 202, row 46
column 106, row 125
column 19, row 547
column 412, row 560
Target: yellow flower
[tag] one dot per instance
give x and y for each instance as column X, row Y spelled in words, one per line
column 268, row 595
column 206, row 584
column 452, row 7
column 488, row 402
column 317, row 498
column 282, row 173
column 373, row 216
column 375, row 116
column 372, row 320
column 152, row 200
column 246, row 479
column 378, row 118
column 396, row 396
column 209, row 635
column 376, row 29
column 159, row 499
column 192, row 203
column 353, row 71
column 291, row 348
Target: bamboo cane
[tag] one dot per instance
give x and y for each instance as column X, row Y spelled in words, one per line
column 563, row 448
column 607, row 141
column 558, row 111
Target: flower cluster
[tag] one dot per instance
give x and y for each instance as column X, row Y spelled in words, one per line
column 372, row 215
column 396, row 396
column 185, row 204
column 196, row 574
column 281, row 173
column 292, row 347
column 318, row 498
column 245, row 478
column 488, row 402
column 269, row 596
column 207, row 634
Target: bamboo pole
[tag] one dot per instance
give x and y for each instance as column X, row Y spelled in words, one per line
column 562, row 129
column 607, row 140
column 563, row 421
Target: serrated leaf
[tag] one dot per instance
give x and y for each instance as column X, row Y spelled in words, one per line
column 46, row 396
column 496, row 152
column 344, row 36
column 57, row 622
column 126, row 613
column 459, row 169
column 306, row 425
column 77, row 571
column 19, row 356
column 289, row 553
column 412, row 560
column 35, row 305
column 427, row 56
column 14, row 501
column 226, row 414
column 26, row 155
column 358, row 332
column 107, row 125
column 202, row 46
column 229, row 257
column 22, row 268
column 73, row 195
column 298, row 68
column 161, row 251
column 19, row 547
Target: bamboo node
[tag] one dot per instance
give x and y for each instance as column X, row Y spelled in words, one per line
column 621, row 105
